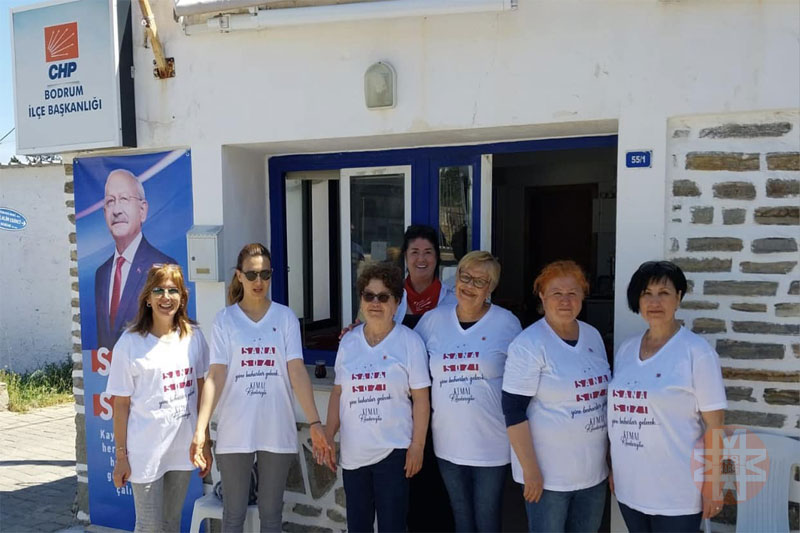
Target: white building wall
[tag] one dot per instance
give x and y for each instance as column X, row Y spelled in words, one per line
column 36, row 312
column 546, row 68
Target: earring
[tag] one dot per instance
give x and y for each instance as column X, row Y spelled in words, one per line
column 148, row 304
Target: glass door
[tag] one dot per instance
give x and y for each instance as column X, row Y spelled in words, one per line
column 454, row 188
column 375, row 209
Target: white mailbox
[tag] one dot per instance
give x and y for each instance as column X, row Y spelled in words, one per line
column 204, row 244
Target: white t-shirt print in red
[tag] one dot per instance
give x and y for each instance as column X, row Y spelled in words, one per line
column 567, row 414
column 160, row 376
column 256, row 409
column 654, row 416
column 467, row 375
column 375, row 406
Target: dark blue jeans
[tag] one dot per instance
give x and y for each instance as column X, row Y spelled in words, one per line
column 637, row 521
column 382, row 487
column 476, row 494
column 575, row 510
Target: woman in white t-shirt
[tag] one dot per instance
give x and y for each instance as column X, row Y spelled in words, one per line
column 554, row 401
column 467, row 345
column 256, row 364
column 667, row 397
column 156, row 377
column 380, row 400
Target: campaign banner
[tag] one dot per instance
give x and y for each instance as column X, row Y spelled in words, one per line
column 141, row 207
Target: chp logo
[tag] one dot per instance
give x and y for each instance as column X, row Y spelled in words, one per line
column 61, row 44
column 742, row 459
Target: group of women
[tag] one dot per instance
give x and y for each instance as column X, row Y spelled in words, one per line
column 429, row 368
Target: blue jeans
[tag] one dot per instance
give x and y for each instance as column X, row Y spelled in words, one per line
column 382, row 487
column 637, row 521
column 476, row 494
column 575, row 510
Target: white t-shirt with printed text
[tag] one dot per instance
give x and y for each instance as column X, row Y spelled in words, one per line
column 375, row 405
column 567, row 414
column 654, row 421
column 467, row 376
column 256, row 410
column 160, row 376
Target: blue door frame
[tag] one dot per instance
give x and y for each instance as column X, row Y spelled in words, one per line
column 424, row 188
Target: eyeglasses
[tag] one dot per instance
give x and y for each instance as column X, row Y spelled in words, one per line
column 251, row 275
column 382, row 297
column 158, row 291
column 478, row 283
column 124, row 201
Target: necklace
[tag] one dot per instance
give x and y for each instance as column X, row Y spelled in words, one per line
column 649, row 347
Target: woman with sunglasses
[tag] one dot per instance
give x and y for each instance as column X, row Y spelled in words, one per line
column 554, row 402
column 666, row 396
column 380, row 399
column 156, row 378
column 256, row 364
column 467, row 345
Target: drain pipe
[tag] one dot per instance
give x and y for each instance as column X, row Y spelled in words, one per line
column 272, row 18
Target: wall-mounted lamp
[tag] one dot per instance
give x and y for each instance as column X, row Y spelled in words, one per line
column 380, row 87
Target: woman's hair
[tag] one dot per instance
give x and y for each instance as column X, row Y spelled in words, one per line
column 654, row 272
column 157, row 275
column 389, row 274
column 235, row 289
column 560, row 269
column 483, row 260
column 421, row 231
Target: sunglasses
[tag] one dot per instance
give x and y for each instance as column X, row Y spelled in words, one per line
column 158, row 291
column 478, row 283
column 382, row 297
column 251, row 275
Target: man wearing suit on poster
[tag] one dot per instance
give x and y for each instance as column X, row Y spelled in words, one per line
column 118, row 281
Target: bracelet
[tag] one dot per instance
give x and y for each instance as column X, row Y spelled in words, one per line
column 121, row 448
column 314, row 422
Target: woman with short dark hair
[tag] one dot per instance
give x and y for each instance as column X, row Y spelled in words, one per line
column 156, row 378
column 380, row 400
column 667, row 394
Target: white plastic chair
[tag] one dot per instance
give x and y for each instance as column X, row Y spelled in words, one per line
column 767, row 510
column 209, row 506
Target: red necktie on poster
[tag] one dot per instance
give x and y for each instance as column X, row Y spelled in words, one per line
column 117, row 289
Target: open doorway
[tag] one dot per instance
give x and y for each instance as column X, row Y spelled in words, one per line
column 550, row 205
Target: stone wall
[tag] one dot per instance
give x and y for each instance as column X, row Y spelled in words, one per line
column 733, row 225
column 82, row 497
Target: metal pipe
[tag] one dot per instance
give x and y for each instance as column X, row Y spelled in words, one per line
column 149, row 20
column 272, row 18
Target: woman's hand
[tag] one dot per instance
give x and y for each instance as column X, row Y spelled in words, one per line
column 711, row 507
column 414, row 456
column 534, row 484
column 197, row 451
column 208, row 458
column 349, row 328
column 322, row 447
column 122, row 472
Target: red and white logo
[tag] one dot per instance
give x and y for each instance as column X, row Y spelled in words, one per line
column 61, row 42
column 740, row 459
